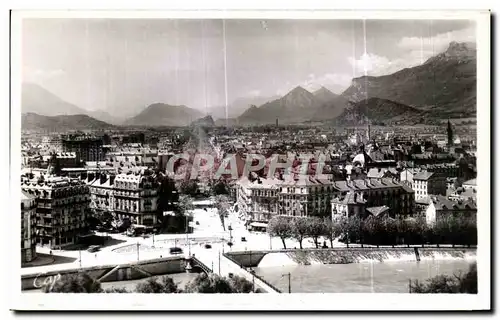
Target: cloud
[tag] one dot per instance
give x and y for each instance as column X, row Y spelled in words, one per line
column 414, row 52
column 371, row 64
column 41, row 75
column 439, row 42
column 336, row 82
column 254, row 93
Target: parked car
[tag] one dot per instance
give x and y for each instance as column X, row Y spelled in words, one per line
column 243, row 239
column 175, row 250
column 208, row 246
column 94, row 248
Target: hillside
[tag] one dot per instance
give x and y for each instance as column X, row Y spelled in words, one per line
column 238, row 106
column 207, row 121
column 61, row 123
column 161, row 114
column 298, row 105
column 376, row 110
column 35, row 99
column 445, row 85
column 331, row 105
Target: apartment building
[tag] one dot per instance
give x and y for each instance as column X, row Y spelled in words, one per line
column 132, row 195
column 62, row 209
column 370, row 193
column 28, row 227
column 427, row 183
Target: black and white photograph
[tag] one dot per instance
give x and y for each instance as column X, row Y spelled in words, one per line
column 196, row 154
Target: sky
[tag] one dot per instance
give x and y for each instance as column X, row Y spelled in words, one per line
column 123, row 65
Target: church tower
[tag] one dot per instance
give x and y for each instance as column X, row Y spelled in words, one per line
column 450, row 134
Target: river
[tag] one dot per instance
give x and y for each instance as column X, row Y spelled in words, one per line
column 366, row 277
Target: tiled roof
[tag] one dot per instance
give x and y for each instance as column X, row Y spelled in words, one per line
column 443, row 203
column 471, row 182
column 423, row 175
column 376, row 211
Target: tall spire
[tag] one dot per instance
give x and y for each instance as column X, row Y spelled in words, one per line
column 450, row 134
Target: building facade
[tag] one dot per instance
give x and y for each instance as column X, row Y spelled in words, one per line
column 85, row 148
column 374, row 193
column 28, row 227
column 62, row 209
column 427, row 183
column 133, row 195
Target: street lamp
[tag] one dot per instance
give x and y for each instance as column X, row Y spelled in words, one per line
column 154, row 231
column 289, row 275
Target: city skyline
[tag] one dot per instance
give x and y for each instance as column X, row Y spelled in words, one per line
column 127, row 64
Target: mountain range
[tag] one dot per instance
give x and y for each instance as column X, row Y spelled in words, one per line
column 38, row 100
column 161, row 114
column 295, row 106
column 442, row 87
column 36, row 122
column 238, row 106
column 445, row 85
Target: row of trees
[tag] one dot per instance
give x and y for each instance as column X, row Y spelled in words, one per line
column 203, row 283
column 460, row 230
column 458, row 283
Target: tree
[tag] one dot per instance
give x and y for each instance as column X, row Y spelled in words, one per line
column 372, row 230
column 343, row 225
column 317, row 227
column 188, row 187
column 220, row 187
column 222, row 203
column 74, row 283
column 461, row 283
column 300, row 229
column 162, row 284
column 185, row 205
column 241, row 285
column 332, row 230
column 211, row 283
column 116, row 290
column 280, row 226
column 354, row 227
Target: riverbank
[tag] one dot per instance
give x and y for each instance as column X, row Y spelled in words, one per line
column 350, row 255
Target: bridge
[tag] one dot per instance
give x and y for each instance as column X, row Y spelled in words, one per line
column 220, row 263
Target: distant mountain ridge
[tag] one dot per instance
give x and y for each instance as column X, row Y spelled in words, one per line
column 445, row 85
column 161, row 114
column 35, row 122
column 238, row 106
column 207, row 121
column 376, row 110
column 298, row 105
column 38, row 100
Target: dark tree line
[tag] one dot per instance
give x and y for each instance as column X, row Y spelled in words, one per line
column 458, row 283
column 454, row 230
column 203, row 283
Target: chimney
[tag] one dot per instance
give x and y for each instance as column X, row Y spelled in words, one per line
column 102, row 178
column 112, row 179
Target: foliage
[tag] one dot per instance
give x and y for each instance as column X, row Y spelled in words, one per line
column 212, row 283
column 162, row 284
column 462, row 283
column 240, row 284
column 300, row 229
column 185, row 205
column 220, row 187
column 279, row 226
column 317, row 228
column 332, row 230
column 222, row 203
column 188, row 187
column 116, row 290
column 74, row 283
